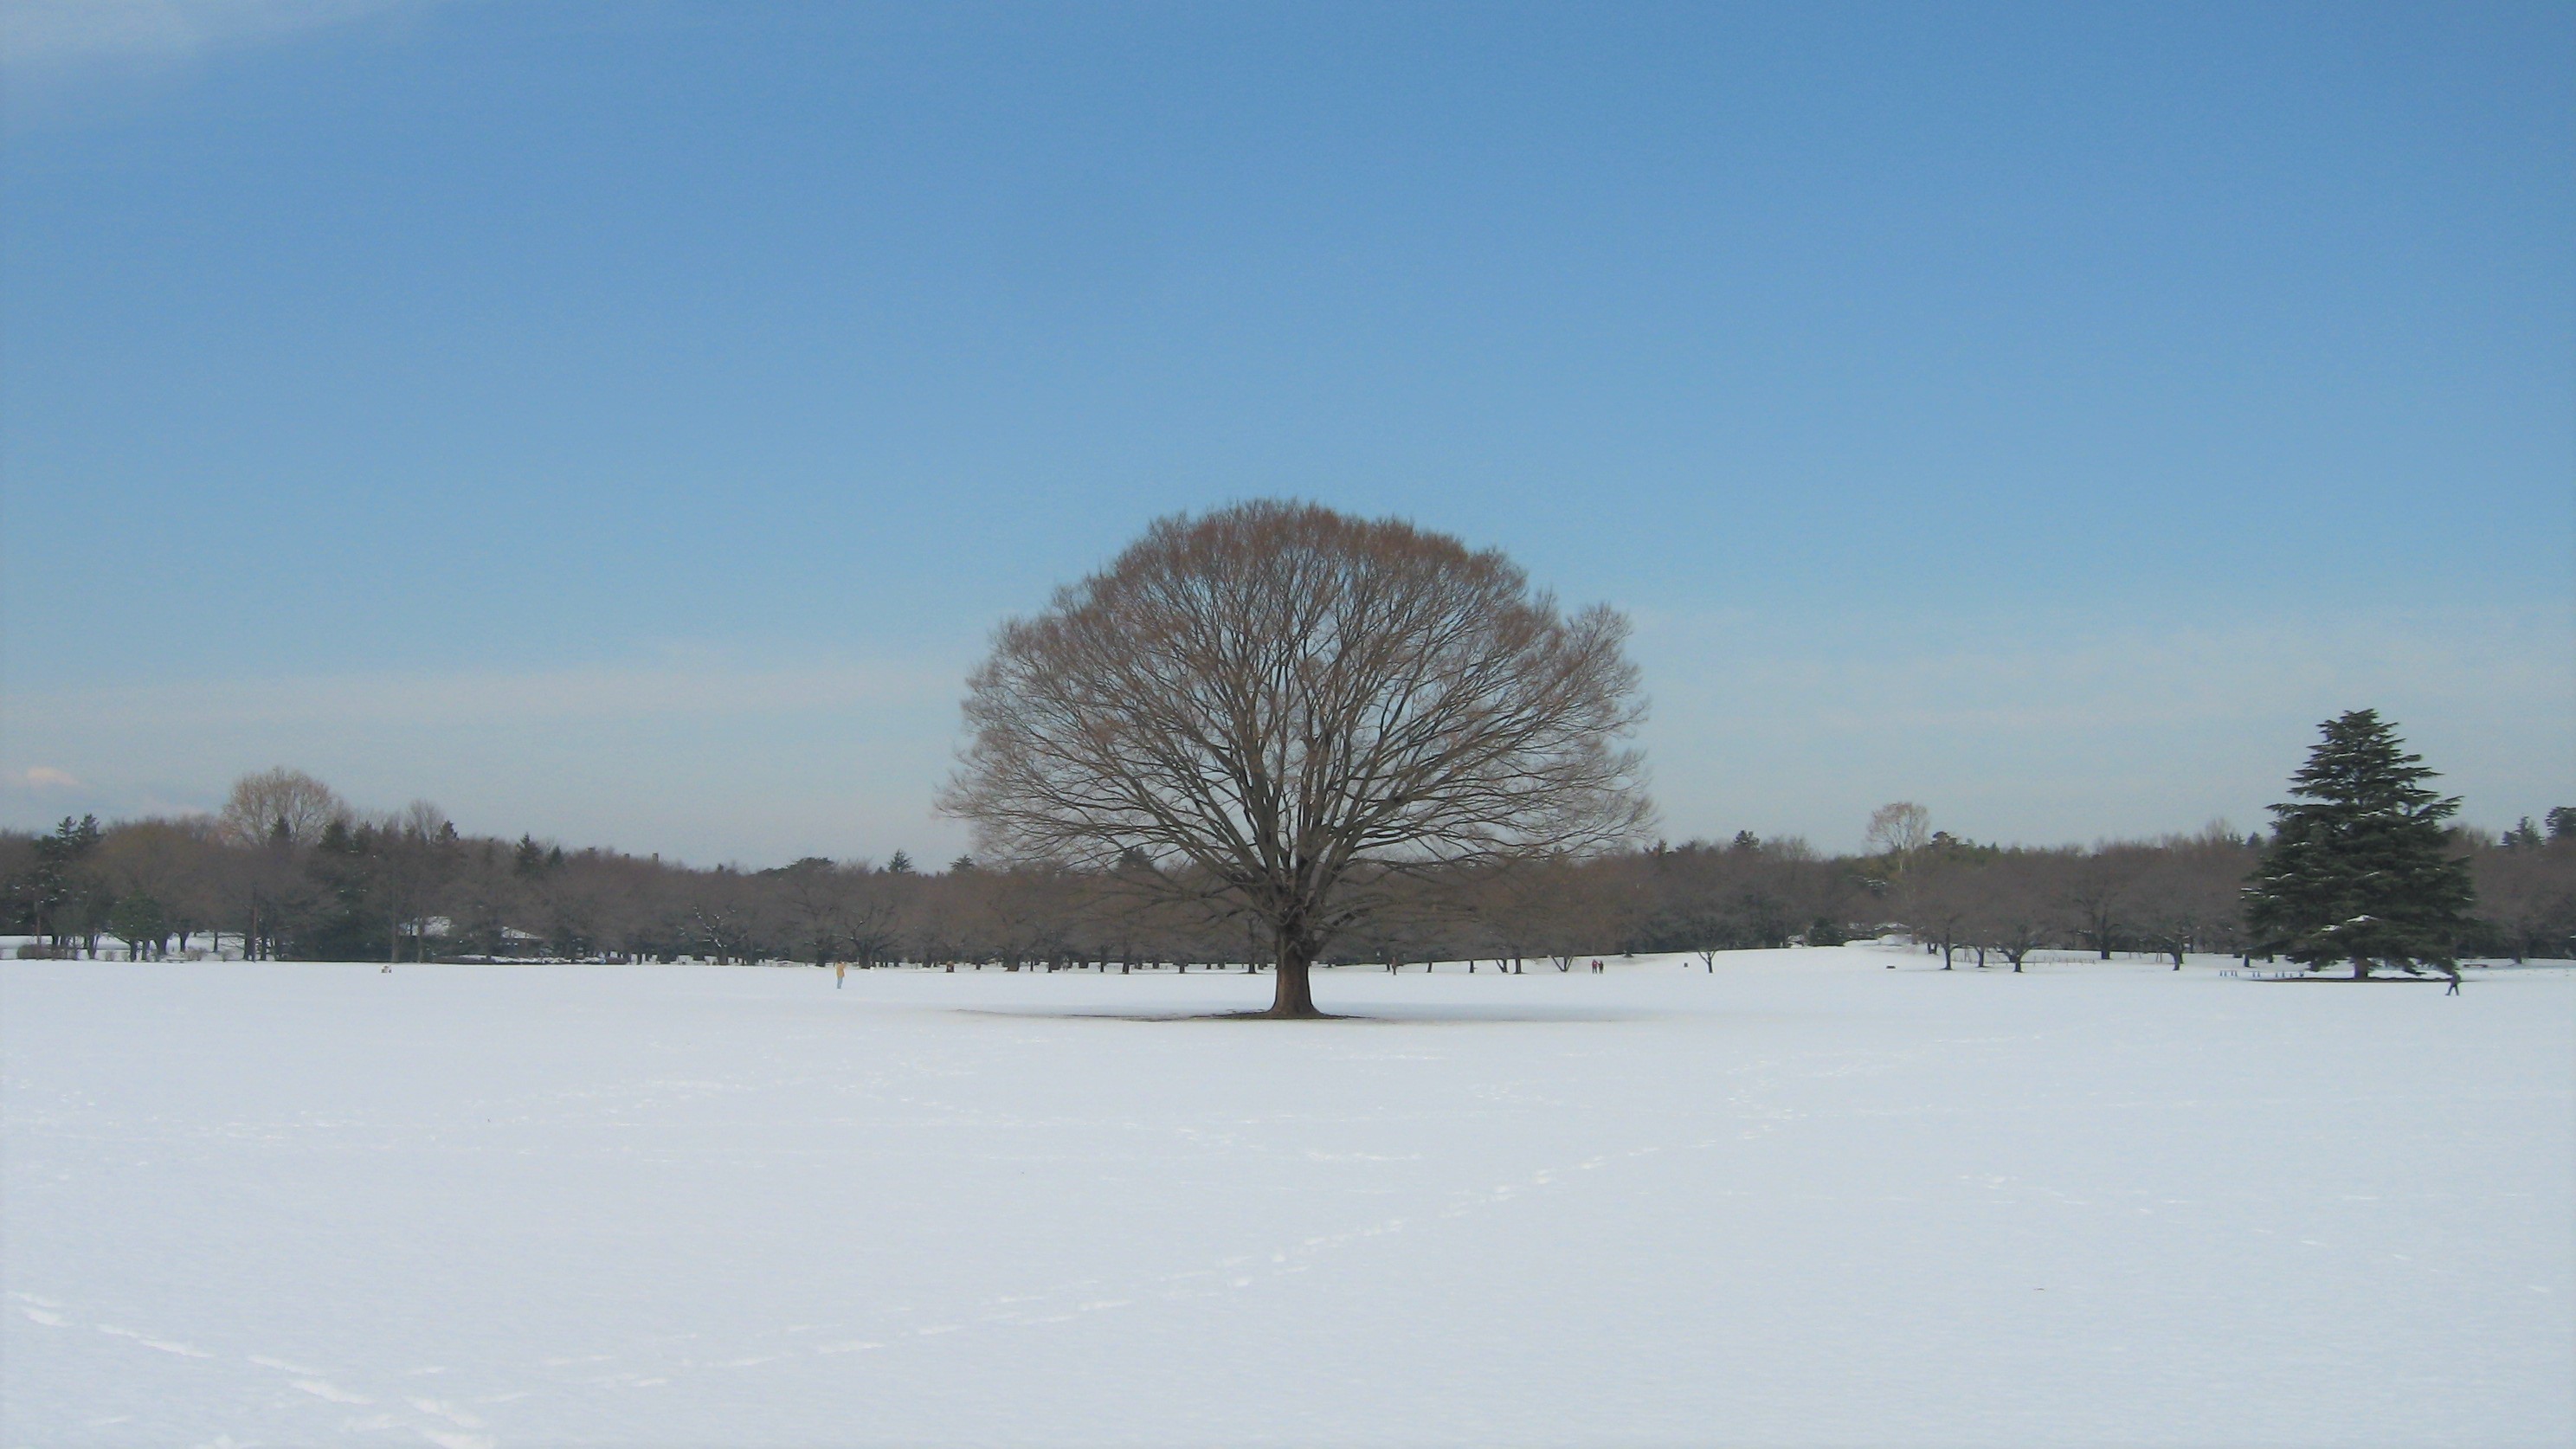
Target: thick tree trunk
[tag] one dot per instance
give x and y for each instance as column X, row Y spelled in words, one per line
column 1293, row 996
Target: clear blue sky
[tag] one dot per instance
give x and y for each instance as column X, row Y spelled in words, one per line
column 624, row 422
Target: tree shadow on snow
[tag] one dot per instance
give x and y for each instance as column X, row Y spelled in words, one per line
column 1392, row 1015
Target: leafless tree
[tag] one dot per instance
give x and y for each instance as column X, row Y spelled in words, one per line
column 1941, row 900
column 1406, row 925
column 2097, row 890
column 1898, row 831
column 1570, row 911
column 263, row 884
column 1277, row 696
column 2020, row 905
column 146, row 867
column 1026, row 910
column 281, row 801
column 482, row 896
column 813, row 894
column 873, row 906
column 416, row 850
column 2189, row 892
column 2527, row 896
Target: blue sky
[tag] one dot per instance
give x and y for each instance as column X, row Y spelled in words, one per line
column 626, row 422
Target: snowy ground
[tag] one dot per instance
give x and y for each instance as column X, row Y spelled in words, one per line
column 1803, row 1200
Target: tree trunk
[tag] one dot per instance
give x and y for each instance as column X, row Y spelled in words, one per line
column 2360, row 968
column 1293, row 996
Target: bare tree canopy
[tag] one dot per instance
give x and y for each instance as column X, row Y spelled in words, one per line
column 1273, row 703
column 260, row 804
column 1898, row 831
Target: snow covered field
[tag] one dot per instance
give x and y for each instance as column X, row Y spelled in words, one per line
column 1803, row 1200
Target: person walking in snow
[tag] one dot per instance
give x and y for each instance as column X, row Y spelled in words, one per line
column 840, row 972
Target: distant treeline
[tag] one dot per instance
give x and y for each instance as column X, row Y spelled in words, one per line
column 289, row 871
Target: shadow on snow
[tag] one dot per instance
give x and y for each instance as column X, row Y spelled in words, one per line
column 1392, row 1014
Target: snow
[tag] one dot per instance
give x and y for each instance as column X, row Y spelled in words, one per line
column 1804, row 1199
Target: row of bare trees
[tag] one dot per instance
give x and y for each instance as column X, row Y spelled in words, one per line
column 290, row 870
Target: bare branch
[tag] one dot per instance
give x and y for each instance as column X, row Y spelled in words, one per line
column 1265, row 700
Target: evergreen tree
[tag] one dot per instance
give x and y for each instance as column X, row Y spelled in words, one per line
column 63, row 899
column 2360, row 868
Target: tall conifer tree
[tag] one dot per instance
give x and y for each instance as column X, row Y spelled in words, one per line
column 2360, row 868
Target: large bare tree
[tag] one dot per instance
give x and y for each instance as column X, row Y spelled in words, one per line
column 1274, row 706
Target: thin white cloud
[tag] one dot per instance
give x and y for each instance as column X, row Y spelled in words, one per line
column 44, row 31
column 46, row 777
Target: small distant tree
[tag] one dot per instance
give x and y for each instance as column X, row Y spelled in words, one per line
column 815, row 897
column 728, row 915
column 2360, row 868
column 2019, row 904
column 141, row 923
column 872, row 909
column 260, row 803
column 1897, row 831
column 2098, row 888
column 1941, row 900
column 2190, row 892
column 64, row 893
column 2527, row 897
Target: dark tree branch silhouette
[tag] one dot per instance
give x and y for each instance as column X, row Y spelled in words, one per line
column 1255, row 704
